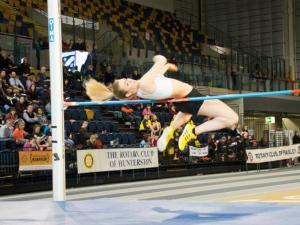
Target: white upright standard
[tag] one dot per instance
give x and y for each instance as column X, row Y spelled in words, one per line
column 57, row 111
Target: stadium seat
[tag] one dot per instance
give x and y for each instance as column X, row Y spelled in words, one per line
column 100, row 126
column 82, row 114
column 108, row 126
column 76, row 126
column 92, row 127
column 97, row 115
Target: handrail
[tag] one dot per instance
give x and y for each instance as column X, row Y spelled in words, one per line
column 105, row 47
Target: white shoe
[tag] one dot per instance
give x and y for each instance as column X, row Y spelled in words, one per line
column 164, row 139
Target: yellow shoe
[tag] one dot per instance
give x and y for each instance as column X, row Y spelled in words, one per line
column 164, row 139
column 186, row 136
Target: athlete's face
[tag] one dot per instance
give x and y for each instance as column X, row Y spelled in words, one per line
column 129, row 86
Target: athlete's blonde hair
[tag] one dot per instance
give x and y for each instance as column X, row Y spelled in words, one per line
column 98, row 91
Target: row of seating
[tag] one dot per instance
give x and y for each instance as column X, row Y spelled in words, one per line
column 125, row 17
column 93, row 126
column 120, row 139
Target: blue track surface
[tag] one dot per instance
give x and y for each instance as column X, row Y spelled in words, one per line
column 117, row 212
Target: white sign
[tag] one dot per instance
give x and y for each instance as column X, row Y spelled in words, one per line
column 273, row 154
column 199, row 152
column 270, row 119
column 90, row 161
column 51, row 29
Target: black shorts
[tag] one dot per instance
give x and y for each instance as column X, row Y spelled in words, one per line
column 190, row 107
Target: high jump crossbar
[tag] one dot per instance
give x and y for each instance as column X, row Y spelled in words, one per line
column 192, row 99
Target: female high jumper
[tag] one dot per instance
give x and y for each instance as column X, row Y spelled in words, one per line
column 155, row 86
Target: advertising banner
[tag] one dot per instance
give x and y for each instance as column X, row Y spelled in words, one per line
column 35, row 160
column 273, row 154
column 198, row 152
column 90, row 161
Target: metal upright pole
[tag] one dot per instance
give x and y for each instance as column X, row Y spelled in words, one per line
column 57, row 111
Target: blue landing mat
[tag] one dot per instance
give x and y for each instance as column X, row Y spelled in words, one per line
column 121, row 212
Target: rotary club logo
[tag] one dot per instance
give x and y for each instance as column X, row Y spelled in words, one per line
column 88, row 161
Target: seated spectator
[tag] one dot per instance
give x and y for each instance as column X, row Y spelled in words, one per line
column 94, row 142
column 145, row 143
column 40, row 77
column 12, row 115
column 145, row 124
column 45, row 95
column 29, row 81
column 30, row 118
column 6, row 130
column 36, row 131
column 89, row 72
column 9, row 63
column 42, row 118
column 21, row 105
column 69, row 141
column 16, row 84
column 19, row 133
column 5, row 85
column 296, row 138
column 24, row 67
column 109, row 76
column 136, row 75
column 48, row 143
column 127, row 69
column 126, row 109
column 147, row 110
column 31, row 145
column 46, row 129
column 4, row 98
column 155, row 128
column 32, row 94
column 83, row 131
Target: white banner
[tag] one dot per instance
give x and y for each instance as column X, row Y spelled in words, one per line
column 199, row 152
column 273, row 154
column 99, row 160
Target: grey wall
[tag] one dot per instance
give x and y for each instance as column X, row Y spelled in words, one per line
column 280, row 104
column 257, row 23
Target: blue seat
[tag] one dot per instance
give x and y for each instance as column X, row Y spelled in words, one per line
column 103, row 138
column 76, row 126
column 124, row 138
column 119, row 137
column 75, row 114
column 108, row 126
column 2, row 144
column 68, row 114
column 114, row 127
column 82, row 114
column 97, row 115
column 109, row 137
column 68, row 126
column 131, row 139
column 92, row 127
column 100, row 126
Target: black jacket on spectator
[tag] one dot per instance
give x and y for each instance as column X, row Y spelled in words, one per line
column 20, row 107
column 23, row 68
column 296, row 139
column 108, row 78
column 30, row 121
